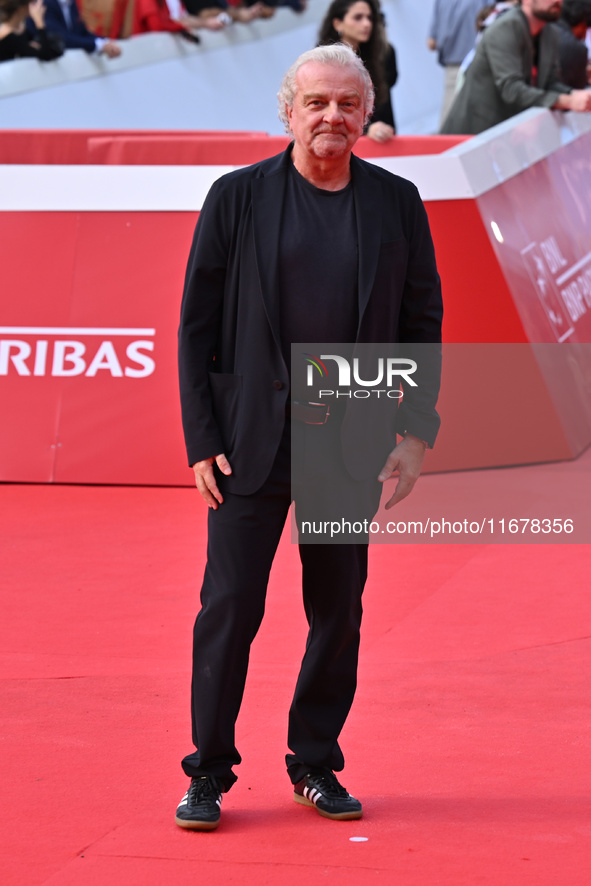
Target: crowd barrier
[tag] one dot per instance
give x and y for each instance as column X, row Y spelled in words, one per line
column 95, row 230
column 229, row 81
column 154, row 147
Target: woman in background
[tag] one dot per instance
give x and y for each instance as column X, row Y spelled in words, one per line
column 16, row 41
column 360, row 23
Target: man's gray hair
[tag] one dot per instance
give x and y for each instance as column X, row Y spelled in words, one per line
column 335, row 54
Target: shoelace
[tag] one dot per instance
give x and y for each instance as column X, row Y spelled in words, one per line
column 203, row 789
column 331, row 786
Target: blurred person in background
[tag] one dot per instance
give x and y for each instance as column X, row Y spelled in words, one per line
column 225, row 13
column 452, row 35
column 63, row 18
column 271, row 5
column 17, row 40
column 487, row 15
column 572, row 26
column 516, row 66
column 171, row 16
column 360, row 24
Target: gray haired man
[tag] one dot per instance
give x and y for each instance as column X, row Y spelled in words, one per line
column 314, row 245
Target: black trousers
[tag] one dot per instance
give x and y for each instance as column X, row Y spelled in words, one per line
column 243, row 534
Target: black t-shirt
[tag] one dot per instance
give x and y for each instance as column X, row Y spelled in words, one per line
column 318, row 264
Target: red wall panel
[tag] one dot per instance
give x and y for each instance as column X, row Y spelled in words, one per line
column 89, row 392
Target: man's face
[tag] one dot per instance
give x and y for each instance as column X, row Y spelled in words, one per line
column 328, row 109
column 546, row 10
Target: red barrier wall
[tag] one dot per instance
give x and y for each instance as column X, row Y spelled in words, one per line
column 117, row 420
column 90, row 306
column 67, row 147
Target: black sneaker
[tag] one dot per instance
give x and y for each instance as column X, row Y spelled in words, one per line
column 321, row 789
column 199, row 809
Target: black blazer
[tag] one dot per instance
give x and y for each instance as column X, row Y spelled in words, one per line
column 234, row 382
column 384, row 113
column 75, row 37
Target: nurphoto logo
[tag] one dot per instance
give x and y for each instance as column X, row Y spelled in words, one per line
column 389, row 372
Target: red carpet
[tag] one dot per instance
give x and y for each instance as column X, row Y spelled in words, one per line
column 468, row 742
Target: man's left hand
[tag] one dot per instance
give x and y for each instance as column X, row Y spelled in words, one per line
column 406, row 461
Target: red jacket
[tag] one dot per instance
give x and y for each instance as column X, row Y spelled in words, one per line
column 153, row 15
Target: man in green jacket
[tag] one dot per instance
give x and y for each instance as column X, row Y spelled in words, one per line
column 515, row 67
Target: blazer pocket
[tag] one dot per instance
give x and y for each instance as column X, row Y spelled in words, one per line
column 226, row 395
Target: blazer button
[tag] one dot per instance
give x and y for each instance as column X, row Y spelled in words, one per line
column 278, row 385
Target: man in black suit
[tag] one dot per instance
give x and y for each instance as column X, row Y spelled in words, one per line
column 572, row 25
column 314, row 245
column 63, row 17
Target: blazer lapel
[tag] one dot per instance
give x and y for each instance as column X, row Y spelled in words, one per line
column 267, row 205
column 368, row 209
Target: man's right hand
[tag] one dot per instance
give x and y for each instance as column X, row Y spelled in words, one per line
column 205, row 479
column 111, row 49
column 577, row 100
